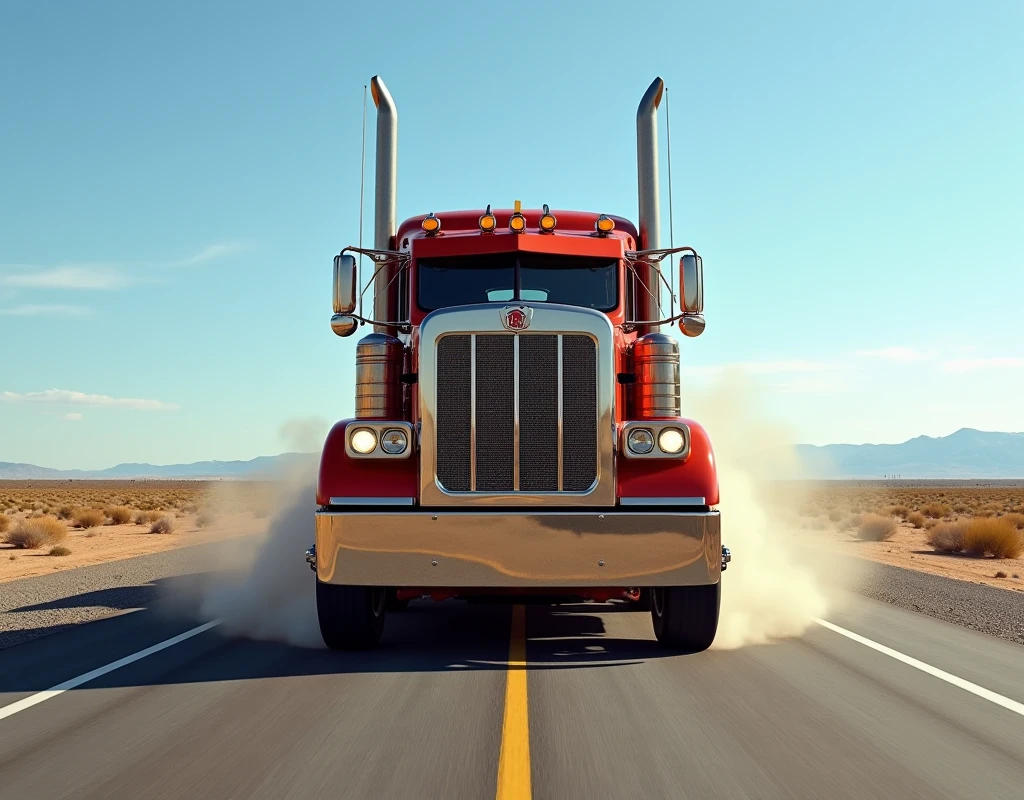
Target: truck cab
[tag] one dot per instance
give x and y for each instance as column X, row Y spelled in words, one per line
column 518, row 428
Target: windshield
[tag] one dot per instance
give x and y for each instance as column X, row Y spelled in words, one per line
column 530, row 277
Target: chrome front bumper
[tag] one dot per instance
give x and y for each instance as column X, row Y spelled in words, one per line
column 502, row 550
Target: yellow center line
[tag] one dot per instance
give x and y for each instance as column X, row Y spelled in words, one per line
column 514, row 762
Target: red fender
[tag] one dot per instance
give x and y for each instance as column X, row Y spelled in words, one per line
column 697, row 476
column 343, row 476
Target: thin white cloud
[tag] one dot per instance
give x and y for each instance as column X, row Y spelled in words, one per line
column 213, row 251
column 974, row 364
column 784, row 367
column 68, row 276
column 897, row 353
column 101, row 275
column 42, row 310
column 72, row 398
column 72, row 416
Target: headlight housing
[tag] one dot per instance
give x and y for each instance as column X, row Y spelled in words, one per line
column 640, row 441
column 363, row 441
column 671, row 441
column 394, row 441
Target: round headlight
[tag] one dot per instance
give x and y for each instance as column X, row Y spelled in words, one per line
column 671, row 441
column 363, row 441
column 394, row 442
column 640, row 441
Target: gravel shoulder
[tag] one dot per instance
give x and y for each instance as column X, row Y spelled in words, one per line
column 38, row 606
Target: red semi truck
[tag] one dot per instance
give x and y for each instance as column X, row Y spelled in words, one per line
column 517, row 421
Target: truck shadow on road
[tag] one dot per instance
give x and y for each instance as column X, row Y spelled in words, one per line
column 452, row 636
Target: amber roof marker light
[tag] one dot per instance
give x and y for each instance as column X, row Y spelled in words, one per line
column 431, row 224
column 547, row 221
column 487, row 221
column 517, row 222
column 604, row 225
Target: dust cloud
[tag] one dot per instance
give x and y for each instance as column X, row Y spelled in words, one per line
column 267, row 590
column 778, row 580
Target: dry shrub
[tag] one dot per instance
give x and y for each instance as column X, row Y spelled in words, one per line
column 1014, row 518
column 835, row 515
column 876, row 528
column 119, row 515
column 66, row 512
column 947, row 537
column 162, row 525
column 935, row 510
column 5, row 523
column 916, row 518
column 995, row 537
column 898, row 511
column 59, row 550
column 89, row 518
column 1000, row 574
column 206, row 518
column 33, row 533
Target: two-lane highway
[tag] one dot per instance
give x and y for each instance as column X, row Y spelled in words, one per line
column 445, row 708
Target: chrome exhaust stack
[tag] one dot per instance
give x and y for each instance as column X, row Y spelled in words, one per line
column 650, row 207
column 385, row 208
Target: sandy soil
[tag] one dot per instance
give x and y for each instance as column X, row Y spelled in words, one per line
column 115, row 542
column 908, row 549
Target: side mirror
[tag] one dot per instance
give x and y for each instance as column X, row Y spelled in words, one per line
column 346, row 281
column 691, row 283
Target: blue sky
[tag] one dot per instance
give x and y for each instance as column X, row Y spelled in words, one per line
column 175, row 179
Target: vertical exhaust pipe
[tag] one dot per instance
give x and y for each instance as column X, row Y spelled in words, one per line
column 650, row 208
column 385, row 220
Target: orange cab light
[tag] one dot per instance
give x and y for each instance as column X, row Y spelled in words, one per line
column 517, row 223
column 431, row 224
column 604, row 225
column 487, row 221
column 547, row 221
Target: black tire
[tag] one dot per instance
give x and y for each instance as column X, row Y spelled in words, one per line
column 351, row 617
column 686, row 617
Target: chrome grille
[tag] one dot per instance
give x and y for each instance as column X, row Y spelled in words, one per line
column 517, row 413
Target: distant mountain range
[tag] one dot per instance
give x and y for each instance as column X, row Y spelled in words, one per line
column 261, row 467
column 965, row 454
column 968, row 453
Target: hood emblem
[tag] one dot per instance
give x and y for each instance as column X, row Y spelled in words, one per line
column 516, row 318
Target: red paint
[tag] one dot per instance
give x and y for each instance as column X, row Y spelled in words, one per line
column 343, row 476
column 697, row 476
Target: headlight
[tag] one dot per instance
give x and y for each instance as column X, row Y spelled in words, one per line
column 364, row 441
column 671, row 441
column 640, row 441
column 394, row 442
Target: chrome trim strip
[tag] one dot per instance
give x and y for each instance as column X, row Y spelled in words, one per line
column 662, row 501
column 451, row 548
column 548, row 318
column 515, row 413
column 560, row 412
column 373, row 501
column 472, row 413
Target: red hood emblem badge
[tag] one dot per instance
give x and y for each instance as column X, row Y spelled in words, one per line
column 516, row 318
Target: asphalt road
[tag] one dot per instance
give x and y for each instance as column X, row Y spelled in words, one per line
column 602, row 711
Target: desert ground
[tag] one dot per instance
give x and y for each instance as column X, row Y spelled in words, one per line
column 50, row 526
column 967, row 530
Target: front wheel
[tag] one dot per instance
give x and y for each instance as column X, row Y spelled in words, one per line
column 686, row 617
column 351, row 617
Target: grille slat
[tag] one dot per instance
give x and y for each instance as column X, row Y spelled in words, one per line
column 494, row 391
column 495, row 429
column 579, row 404
column 538, row 413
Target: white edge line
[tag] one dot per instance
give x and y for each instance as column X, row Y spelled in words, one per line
column 967, row 686
column 60, row 688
